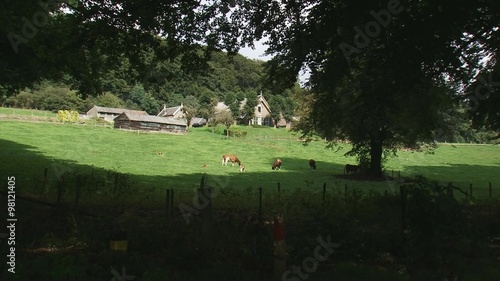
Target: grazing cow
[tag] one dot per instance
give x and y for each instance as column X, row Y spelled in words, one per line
column 230, row 158
column 312, row 164
column 277, row 164
column 351, row 168
column 242, row 167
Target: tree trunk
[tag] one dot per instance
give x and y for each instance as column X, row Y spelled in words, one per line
column 375, row 157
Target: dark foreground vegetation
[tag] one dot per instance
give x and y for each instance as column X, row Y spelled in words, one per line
column 425, row 235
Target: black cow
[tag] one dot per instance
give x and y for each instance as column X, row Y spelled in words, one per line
column 312, row 164
column 351, row 169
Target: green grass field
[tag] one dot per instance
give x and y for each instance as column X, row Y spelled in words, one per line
column 366, row 225
column 26, row 112
column 28, row 148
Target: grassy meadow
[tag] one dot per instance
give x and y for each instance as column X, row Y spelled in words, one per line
column 26, row 112
column 178, row 161
column 124, row 173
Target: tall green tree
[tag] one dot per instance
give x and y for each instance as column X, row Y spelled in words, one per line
column 233, row 101
column 191, row 108
column 483, row 100
column 207, row 102
column 379, row 69
column 144, row 100
column 46, row 39
column 108, row 99
column 248, row 109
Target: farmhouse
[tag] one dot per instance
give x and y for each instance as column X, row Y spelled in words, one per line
column 177, row 112
column 261, row 116
column 173, row 112
column 198, row 122
column 150, row 123
column 109, row 113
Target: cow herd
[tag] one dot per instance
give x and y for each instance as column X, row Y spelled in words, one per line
column 275, row 166
column 348, row 168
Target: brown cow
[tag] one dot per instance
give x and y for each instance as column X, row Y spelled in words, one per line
column 351, row 168
column 277, row 164
column 230, row 158
column 312, row 164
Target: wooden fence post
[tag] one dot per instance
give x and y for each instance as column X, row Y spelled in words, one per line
column 323, row 203
column 202, row 183
column 45, row 180
column 116, row 183
column 324, row 192
column 470, row 191
column 168, row 204
column 205, row 200
column 490, row 190
column 171, row 212
column 404, row 196
column 77, row 191
column 279, row 188
column 260, row 203
column 60, row 188
column 279, row 247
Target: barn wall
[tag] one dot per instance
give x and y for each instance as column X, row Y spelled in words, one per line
column 92, row 112
column 148, row 126
column 173, row 128
column 122, row 124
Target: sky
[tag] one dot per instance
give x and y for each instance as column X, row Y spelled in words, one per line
column 258, row 53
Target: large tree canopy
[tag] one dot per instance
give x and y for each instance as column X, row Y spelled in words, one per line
column 45, row 39
column 382, row 72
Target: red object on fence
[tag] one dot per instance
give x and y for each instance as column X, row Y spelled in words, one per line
column 279, row 248
column 279, row 230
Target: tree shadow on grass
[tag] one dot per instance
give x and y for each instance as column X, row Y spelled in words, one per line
column 104, row 191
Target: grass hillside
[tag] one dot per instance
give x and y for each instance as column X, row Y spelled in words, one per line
column 177, row 161
column 121, row 175
column 26, row 112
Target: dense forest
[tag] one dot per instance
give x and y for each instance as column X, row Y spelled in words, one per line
column 229, row 78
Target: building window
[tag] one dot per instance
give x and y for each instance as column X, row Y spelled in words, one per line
column 259, row 109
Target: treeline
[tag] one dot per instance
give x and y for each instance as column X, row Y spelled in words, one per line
column 230, row 79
